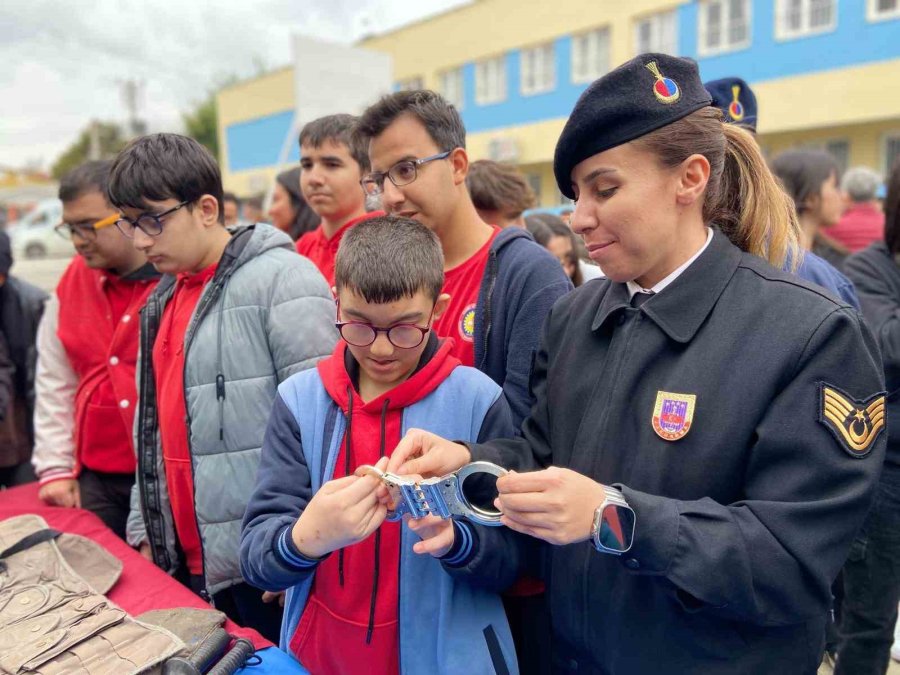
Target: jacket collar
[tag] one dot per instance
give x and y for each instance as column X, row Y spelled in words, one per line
column 681, row 308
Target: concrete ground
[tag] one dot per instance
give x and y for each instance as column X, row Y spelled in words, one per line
column 43, row 273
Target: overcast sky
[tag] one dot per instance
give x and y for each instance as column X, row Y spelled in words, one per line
column 62, row 62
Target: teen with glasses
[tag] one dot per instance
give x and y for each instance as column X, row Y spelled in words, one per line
column 238, row 314
column 501, row 284
column 87, row 353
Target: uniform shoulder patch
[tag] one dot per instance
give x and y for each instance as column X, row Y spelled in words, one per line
column 855, row 424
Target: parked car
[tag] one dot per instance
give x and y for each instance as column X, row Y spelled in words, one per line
column 33, row 235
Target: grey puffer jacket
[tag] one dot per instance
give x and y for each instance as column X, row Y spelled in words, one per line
column 267, row 313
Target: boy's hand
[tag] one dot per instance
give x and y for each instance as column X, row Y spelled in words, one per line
column 343, row 512
column 437, row 535
column 62, row 492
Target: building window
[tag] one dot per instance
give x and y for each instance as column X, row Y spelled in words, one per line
column 411, row 84
column 590, row 55
column 840, row 150
column 451, row 87
column 537, row 70
column 490, row 81
column 891, row 154
column 724, row 26
column 536, row 185
column 657, row 33
column 881, row 10
column 796, row 18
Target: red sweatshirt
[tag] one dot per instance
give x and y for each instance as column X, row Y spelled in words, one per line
column 168, row 368
column 351, row 620
column 322, row 250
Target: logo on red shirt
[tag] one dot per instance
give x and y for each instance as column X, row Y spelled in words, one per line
column 467, row 324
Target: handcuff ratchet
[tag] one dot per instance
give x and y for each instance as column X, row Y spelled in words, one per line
column 442, row 497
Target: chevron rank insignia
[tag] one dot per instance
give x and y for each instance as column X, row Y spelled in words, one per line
column 855, row 424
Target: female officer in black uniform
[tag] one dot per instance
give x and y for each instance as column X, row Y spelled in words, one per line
column 715, row 426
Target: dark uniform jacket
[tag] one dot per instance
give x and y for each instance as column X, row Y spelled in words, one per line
column 877, row 278
column 742, row 523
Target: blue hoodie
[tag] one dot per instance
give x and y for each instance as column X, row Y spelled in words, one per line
column 521, row 283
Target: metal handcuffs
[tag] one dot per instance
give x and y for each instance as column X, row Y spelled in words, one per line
column 442, row 497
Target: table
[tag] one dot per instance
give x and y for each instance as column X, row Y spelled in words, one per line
column 143, row 586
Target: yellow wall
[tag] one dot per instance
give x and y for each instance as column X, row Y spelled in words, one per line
column 490, row 27
column 248, row 100
column 859, row 94
column 866, row 141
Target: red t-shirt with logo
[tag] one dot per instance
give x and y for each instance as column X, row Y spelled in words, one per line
column 463, row 284
column 168, row 368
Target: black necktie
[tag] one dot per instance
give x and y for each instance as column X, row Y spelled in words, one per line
column 640, row 298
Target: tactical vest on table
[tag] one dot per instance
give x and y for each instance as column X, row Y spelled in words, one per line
column 54, row 622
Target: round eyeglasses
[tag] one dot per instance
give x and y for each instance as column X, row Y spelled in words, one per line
column 402, row 173
column 401, row 335
column 148, row 223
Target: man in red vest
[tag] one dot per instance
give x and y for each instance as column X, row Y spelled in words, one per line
column 87, row 349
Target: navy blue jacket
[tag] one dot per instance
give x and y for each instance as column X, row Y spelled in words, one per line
column 824, row 274
column 743, row 518
column 521, row 282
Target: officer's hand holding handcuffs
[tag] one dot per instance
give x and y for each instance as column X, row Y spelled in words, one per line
column 557, row 505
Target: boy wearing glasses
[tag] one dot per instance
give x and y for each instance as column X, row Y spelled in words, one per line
column 331, row 166
column 500, row 282
column 395, row 602
column 235, row 315
column 87, row 349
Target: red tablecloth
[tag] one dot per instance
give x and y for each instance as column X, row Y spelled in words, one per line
column 142, row 586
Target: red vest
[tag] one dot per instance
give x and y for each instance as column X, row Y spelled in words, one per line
column 99, row 328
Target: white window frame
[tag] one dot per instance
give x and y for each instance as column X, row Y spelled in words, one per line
column 656, row 24
column 725, row 44
column 452, row 87
column 885, row 140
column 537, row 69
column 411, row 83
column 873, row 14
column 599, row 48
column 485, row 71
column 782, row 32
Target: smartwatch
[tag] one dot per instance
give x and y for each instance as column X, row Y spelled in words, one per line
column 613, row 528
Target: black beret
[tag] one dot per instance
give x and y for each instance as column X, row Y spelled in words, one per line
column 735, row 99
column 640, row 96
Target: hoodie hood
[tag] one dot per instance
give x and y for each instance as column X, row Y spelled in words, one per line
column 340, row 376
column 250, row 241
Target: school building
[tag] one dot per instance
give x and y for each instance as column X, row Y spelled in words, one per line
column 824, row 72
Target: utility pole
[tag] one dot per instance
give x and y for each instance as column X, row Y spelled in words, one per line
column 94, row 152
column 131, row 91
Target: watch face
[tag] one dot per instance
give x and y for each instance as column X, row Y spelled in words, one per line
column 616, row 528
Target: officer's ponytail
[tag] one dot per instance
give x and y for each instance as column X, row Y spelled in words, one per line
column 742, row 197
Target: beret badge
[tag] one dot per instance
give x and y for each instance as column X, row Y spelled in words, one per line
column 665, row 89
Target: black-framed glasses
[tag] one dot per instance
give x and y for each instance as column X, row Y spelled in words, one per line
column 85, row 230
column 402, row 173
column 148, row 223
column 401, row 335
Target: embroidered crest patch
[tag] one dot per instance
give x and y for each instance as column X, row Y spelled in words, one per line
column 735, row 108
column 665, row 89
column 467, row 324
column 855, row 424
column 673, row 415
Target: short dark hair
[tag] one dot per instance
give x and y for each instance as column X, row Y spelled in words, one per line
column 802, row 173
column 231, row 197
column 496, row 186
column 387, row 258
column 164, row 166
column 440, row 119
column 340, row 129
column 88, row 177
column 892, row 210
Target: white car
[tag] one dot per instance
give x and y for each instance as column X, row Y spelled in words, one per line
column 33, row 235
